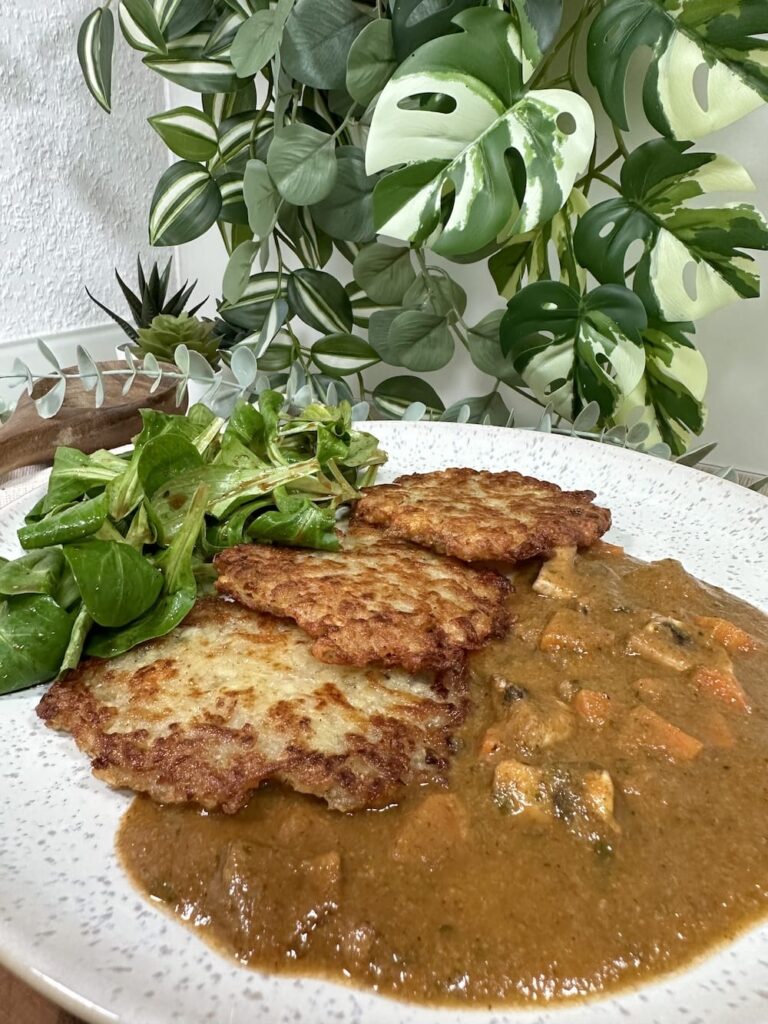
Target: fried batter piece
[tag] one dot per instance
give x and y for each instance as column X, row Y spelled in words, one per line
column 480, row 516
column 377, row 601
column 232, row 698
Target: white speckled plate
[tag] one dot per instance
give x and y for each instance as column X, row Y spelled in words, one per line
column 71, row 925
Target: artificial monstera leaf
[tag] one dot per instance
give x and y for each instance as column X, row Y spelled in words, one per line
column 573, row 349
column 685, row 36
column 415, row 22
column 539, row 22
column 484, row 159
column 671, row 391
column 657, row 181
column 529, row 254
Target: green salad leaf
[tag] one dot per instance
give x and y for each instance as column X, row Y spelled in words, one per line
column 116, row 583
column 38, row 572
column 121, row 546
column 34, row 634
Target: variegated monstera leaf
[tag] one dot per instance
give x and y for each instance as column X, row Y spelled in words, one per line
column 719, row 38
column 531, row 254
column 573, row 349
column 671, row 391
column 483, row 159
column 657, row 181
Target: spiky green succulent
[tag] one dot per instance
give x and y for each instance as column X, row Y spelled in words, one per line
column 151, row 300
column 164, row 335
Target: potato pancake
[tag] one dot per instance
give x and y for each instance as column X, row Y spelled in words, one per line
column 377, row 601
column 477, row 516
column 232, row 698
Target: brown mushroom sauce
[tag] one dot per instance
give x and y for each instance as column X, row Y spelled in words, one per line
column 606, row 821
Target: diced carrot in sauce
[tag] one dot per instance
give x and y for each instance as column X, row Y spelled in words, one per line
column 591, row 705
column 724, row 686
column 730, row 636
column 648, row 730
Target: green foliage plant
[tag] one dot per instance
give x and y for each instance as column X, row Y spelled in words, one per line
column 410, row 137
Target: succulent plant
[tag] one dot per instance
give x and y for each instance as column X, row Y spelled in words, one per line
column 151, row 300
column 165, row 333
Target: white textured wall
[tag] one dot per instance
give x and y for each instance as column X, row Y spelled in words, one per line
column 75, row 183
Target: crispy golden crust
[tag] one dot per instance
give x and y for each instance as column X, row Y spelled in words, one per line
column 232, row 698
column 480, row 516
column 377, row 601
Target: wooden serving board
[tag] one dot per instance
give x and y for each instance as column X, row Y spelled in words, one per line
column 27, row 440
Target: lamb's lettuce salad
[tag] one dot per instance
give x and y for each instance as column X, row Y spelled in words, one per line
column 120, row 546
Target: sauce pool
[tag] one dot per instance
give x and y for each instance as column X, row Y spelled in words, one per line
column 580, row 847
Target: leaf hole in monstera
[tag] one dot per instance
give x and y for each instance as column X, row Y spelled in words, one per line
column 633, row 255
column 701, row 85
column 447, row 200
column 435, row 102
column 517, row 173
column 606, row 229
column 603, row 362
column 549, row 306
column 689, row 280
column 566, row 123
